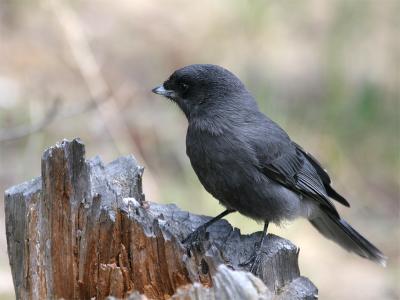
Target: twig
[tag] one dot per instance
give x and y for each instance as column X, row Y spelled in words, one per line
column 25, row 130
column 98, row 88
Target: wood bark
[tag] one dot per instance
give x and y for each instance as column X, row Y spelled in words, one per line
column 83, row 230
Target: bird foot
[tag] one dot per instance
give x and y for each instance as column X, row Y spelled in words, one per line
column 255, row 259
column 195, row 239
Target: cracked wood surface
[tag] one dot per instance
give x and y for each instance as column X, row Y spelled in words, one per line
column 83, row 229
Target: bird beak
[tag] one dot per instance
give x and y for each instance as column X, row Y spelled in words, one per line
column 160, row 90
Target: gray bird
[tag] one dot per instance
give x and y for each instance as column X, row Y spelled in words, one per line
column 249, row 163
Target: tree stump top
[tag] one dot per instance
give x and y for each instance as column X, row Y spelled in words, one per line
column 83, row 229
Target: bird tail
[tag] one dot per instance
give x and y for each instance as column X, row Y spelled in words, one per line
column 339, row 231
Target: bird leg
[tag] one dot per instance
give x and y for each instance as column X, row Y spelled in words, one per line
column 200, row 233
column 255, row 258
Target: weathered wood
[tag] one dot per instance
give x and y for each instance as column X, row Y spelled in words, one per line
column 83, row 229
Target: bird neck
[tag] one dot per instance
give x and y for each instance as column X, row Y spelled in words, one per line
column 213, row 125
column 217, row 121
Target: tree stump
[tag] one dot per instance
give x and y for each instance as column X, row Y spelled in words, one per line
column 84, row 230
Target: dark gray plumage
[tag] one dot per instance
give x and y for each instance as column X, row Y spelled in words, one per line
column 249, row 163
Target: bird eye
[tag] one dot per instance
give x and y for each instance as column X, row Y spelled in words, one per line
column 184, row 86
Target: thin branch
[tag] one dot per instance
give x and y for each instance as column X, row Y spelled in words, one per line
column 98, row 88
column 25, row 130
column 52, row 115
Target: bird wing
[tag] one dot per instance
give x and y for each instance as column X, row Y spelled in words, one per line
column 284, row 161
column 292, row 169
column 324, row 176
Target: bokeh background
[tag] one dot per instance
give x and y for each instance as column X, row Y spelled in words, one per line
column 327, row 71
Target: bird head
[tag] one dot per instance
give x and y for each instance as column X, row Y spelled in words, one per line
column 200, row 88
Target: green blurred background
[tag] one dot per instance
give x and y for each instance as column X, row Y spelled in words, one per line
column 327, row 71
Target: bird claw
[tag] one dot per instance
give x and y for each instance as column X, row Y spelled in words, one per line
column 194, row 239
column 255, row 259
